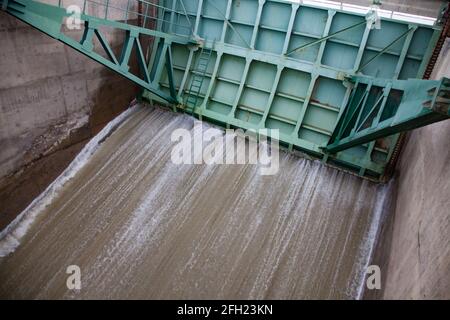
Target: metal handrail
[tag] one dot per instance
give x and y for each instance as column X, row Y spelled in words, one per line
column 160, row 21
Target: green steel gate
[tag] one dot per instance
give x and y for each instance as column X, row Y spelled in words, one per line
column 336, row 87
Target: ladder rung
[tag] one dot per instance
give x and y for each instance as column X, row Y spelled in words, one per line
column 199, row 73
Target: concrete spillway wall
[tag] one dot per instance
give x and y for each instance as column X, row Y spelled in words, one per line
column 414, row 251
column 53, row 100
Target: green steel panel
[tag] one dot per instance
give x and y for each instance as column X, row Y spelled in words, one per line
column 283, row 65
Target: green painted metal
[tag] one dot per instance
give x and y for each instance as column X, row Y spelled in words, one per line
column 50, row 20
column 286, row 66
column 302, row 47
column 401, row 105
column 319, row 75
column 199, row 74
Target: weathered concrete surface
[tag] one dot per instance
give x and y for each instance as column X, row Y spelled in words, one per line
column 45, row 85
column 42, row 82
column 418, row 264
column 414, row 252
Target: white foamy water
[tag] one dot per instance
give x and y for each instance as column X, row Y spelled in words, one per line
column 140, row 226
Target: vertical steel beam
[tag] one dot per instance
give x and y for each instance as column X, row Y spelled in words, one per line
column 272, row 96
column 362, row 46
column 326, row 32
column 404, row 52
column 172, row 15
column 248, row 62
column 198, row 17
column 301, row 116
column 225, row 24
column 161, row 64
column 257, row 21
column 287, row 39
column 130, row 38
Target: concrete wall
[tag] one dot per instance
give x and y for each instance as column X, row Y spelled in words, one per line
column 52, row 99
column 414, row 251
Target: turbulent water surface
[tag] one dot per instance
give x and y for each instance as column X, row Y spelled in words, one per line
column 139, row 226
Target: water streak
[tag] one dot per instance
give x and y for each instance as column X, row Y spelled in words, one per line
column 140, row 226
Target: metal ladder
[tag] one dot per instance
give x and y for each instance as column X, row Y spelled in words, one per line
column 198, row 75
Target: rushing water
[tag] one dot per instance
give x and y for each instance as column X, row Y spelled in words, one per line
column 140, row 226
